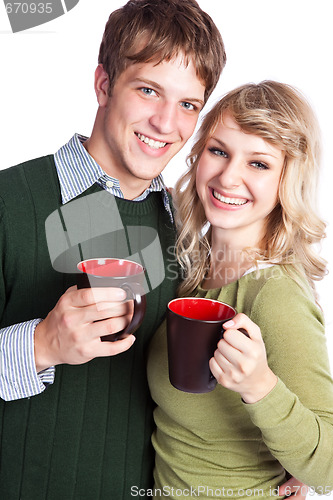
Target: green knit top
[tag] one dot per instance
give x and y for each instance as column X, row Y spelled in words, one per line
column 87, row 436
column 221, row 447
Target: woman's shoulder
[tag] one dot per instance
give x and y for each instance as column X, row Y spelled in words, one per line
column 275, row 287
column 275, row 277
column 279, row 291
column 266, row 288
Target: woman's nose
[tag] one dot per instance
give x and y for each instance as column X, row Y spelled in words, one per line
column 231, row 174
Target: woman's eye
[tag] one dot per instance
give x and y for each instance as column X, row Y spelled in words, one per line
column 218, row 152
column 259, row 165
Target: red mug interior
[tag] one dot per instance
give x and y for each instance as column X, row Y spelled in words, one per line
column 115, row 268
column 202, row 309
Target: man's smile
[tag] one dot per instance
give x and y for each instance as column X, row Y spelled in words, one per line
column 151, row 142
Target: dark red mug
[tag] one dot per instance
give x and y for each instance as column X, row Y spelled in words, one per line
column 119, row 273
column 194, row 327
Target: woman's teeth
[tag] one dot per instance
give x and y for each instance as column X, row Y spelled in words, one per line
column 229, row 201
column 151, row 143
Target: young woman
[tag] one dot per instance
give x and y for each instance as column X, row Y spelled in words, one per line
column 247, row 230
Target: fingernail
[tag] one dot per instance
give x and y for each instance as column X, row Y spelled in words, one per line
column 229, row 323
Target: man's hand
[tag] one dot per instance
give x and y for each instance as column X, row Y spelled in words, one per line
column 295, row 488
column 71, row 332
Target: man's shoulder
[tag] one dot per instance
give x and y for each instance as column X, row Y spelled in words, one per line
column 27, row 167
column 28, row 184
column 15, row 178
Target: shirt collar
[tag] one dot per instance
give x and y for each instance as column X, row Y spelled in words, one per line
column 78, row 171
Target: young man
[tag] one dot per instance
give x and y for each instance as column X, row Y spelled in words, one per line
column 88, row 435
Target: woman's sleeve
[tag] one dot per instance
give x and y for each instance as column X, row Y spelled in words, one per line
column 296, row 417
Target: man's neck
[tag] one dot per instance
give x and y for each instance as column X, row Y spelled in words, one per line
column 130, row 187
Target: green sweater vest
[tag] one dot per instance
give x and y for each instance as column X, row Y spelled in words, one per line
column 88, row 435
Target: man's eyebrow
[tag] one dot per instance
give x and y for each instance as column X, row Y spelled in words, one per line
column 151, row 83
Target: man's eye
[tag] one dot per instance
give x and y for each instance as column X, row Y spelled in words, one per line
column 188, row 105
column 148, row 91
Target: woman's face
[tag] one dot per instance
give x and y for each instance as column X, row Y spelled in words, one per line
column 237, row 180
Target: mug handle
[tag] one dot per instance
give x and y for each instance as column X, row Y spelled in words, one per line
column 240, row 329
column 212, row 379
column 135, row 292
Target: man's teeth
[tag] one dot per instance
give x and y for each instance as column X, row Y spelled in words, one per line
column 229, row 201
column 151, row 143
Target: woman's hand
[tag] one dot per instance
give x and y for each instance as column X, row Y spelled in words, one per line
column 240, row 361
column 294, row 488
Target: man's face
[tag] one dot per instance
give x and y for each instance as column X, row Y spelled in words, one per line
column 152, row 112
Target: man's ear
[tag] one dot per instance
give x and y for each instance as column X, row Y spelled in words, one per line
column 101, row 85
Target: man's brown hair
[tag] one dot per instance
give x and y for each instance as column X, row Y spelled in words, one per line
column 158, row 30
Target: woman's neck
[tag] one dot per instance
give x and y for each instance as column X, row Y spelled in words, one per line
column 228, row 262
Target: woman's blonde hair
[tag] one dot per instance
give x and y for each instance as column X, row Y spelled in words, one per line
column 280, row 115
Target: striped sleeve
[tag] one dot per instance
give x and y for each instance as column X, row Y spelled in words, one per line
column 18, row 376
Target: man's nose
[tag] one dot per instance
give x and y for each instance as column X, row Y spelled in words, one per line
column 164, row 118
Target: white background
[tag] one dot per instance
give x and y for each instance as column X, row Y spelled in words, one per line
column 46, row 84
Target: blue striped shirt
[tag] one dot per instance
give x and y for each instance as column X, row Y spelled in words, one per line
column 77, row 171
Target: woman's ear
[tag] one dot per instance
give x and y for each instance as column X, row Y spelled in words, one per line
column 101, row 85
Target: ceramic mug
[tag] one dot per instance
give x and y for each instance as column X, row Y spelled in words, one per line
column 194, row 327
column 120, row 273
